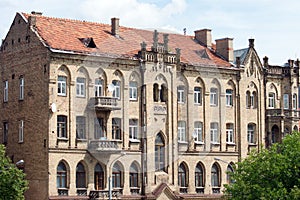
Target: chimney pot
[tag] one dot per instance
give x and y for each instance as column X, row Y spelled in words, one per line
column 204, row 37
column 266, row 61
column 251, row 43
column 115, row 26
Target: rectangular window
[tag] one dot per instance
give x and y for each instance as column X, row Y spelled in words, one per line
column 180, row 94
column 286, row 101
column 198, row 136
column 62, row 86
column 5, row 95
column 181, row 131
column 21, row 131
column 198, row 96
column 214, row 133
column 21, row 85
column 133, row 129
column 98, row 87
column 132, row 90
column 251, row 134
column 99, row 128
column 80, row 127
column 229, row 134
column 116, row 92
column 116, row 128
column 294, row 101
column 271, row 99
column 61, row 126
column 5, row 132
column 213, row 96
column 80, row 87
column 229, row 97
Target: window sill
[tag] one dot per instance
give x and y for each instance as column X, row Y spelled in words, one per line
column 116, row 140
column 20, row 142
column 81, row 140
column 62, row 139
column 197, row 104
column 62, row 95
column 213, row 105
column 134, row 140
column 82, row 97
column 215, row 143
column 252, row 144
column 199, row 142
column 180, row 102
column 229, row 106
column 230, row 143
column 133, row 100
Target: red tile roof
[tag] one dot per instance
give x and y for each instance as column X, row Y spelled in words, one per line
column 64, row 34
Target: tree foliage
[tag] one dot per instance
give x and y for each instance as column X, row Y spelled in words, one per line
column 270, row 174
column 12, row 180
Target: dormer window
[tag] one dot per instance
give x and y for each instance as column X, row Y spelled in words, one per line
column 88, row 42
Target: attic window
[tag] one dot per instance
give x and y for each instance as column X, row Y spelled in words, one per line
column 88, row 42
column 202, row 54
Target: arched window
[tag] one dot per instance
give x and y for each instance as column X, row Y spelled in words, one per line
column 159, row 153
column 229, row 171
column 134, row 176
column 98, row 177
column 155, row 92
column 80, row 176
column 116, row 176
column 254, row 100
column 248, row 103
column 215, row 178
column 275, row 134
column 199, row 178
column 295, row 128
column 61, row 176
column 182, row 178
column 163, row 93
column 294, row 101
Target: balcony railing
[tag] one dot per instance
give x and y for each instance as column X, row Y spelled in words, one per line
column 282, row 113
column 183, row 190
column 134, row 190
column 105, row 103
column 104, row 146
column 103, row 194
column 200, row 190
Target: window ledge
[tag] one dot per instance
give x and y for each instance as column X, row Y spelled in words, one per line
column 230, row 143
column 82, row 97
column 134, row 140
column 215, row 143
column 116, row 140
column 252, row 144
column 199, row 142
column 133, row 100
column 62, row 139
column 81, row 140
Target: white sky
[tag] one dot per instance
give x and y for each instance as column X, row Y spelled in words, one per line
column 274, row 24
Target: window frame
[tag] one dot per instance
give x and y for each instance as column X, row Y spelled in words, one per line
column 230, row 133
column 213, row 96
column 214, row 133
column 160, row 153
column 198, row 131
column 62, row 128
column 5, row 92
column 61, row 176
column 98, row 87
column 229, row 97
column 21, row 131
column 181, row 128
column 198, row 96
column 116, row 177
column 99, row 128
column 133, row 92
column 133, row 130
column 181, row 94
column 99, row 177
column 134, row 176
column 80, row 86
column 81, row 127
column 199, row 176
column 62, row 86
column 80, row 176
column 21, row 88
column 215, row 176
column 286, row 101
column 182, row 176
column 251, row 133
column 117, row 89
column 5, row 132
column 295, row 101
column 116, row 128
column 271, row 100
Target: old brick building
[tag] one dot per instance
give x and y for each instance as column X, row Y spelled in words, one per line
column 156, row 115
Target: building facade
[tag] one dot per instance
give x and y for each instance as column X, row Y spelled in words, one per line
column 93, row 108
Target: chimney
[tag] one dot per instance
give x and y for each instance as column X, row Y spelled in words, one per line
column 204, row 37
column 251, row 43
column 115, row 26
column 224, row 47
column 266, row 61
column 32, row 21
column 36, row 13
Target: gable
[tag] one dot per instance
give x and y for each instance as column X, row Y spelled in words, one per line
column 252, row 64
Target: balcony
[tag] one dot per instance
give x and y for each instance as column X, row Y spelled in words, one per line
column 105, row 103
column 274, row 113
column 104, row 146
column 282, row 113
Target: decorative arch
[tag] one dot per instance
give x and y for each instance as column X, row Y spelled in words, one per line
column 117, row 175
column 134, row 174
column 183, row 176
column 82, row 71
column 99, row 177
column 295, row 128
column 62, row 175
column 215, row 176
column 200, row 177
column 160, row 152
column 160, row 88
column 81, row 175
column 275, row 131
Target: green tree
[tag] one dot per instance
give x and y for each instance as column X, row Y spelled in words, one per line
column 270, row 174
column 12, row 180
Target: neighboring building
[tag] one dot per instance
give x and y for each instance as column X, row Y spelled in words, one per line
column 163, row 116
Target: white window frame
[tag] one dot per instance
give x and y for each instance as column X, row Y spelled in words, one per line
column 181, row 131
column 198, row 132
column 80, row 87
column 98, row 87
column 5, row 95
column 180, row 94
column 295, row 101
column 198, row 95
column 229, row 133
column 286, row 101
column 132, row 90
column 271, row 100
column 62, row 86
column 21, row 131
column 21, row 84
column 214, row 133
column 214, row 96
column 117, row 89
column 229, row 97
column 133, row 130
column 251, row 133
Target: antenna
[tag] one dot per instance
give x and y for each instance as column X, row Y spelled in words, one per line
column 53, row 107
